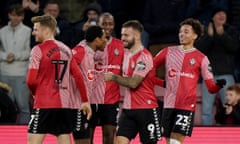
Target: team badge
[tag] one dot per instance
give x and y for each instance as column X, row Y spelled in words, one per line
column 116, row 51
column 141, row 65
column 192, row 61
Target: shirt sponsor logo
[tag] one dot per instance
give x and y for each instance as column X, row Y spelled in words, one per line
column 99, row 66
column 172, row 73
column 90, row 75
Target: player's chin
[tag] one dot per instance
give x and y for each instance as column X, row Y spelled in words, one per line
column 182, row 42
column 125, row 44
column 37, row 40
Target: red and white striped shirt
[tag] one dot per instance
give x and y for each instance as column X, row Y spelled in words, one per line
column 139, row 63
column 110, row 60
column 51, row 70
column 183, row 70
column 84, row 56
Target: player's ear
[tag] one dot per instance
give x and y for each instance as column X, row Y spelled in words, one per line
column 97, row 39
column 195, row 36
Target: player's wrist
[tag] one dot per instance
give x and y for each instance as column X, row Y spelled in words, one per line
column 114, row 77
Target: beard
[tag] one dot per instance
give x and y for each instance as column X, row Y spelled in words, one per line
column 129, row 44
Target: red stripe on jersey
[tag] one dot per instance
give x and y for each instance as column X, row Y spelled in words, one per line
column 84, row 56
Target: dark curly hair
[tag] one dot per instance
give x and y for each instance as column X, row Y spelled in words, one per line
column 92, row 33
column 197, row 27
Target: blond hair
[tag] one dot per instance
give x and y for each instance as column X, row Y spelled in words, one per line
column 46, row 20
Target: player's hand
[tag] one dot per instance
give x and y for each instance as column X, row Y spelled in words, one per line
column 86, row 108
column 221, row 82
column 108, row 76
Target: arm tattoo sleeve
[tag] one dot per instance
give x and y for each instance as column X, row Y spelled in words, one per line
column 130, row 82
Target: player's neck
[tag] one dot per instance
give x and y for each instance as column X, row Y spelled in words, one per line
column 92, row 46
column 49, row 38
column 136, row 47
column 188, row 47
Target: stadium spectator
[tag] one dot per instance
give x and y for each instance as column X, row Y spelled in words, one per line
column 219, row 43
column 63, row 28
column 202, row 9
column 229, row 113
column 14, row 56
column 73, row 12
column 90, row 18
column 32, row 8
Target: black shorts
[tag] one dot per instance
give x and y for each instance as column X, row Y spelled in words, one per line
column 178, row 121
column 144, row 121
column 52, row 121
column 81, row 128
column 104, row 114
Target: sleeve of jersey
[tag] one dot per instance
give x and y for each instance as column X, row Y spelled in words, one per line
column 31, row 80
column 78, row 54
column 159, row 59
column 76, row 72
column 158, row 81
column 208, row 76
column 34, row 63
column 143, row 65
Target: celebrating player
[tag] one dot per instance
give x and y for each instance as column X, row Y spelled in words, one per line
column 140, row 108
column 184, row 64
column 50, row 70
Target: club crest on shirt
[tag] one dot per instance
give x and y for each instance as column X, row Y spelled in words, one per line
column 116, row 51
column 192, row 61
column 141, row 65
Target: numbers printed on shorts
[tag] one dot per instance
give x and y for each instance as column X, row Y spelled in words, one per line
column 151, row 129
column 58, row 63
column 182, row 120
